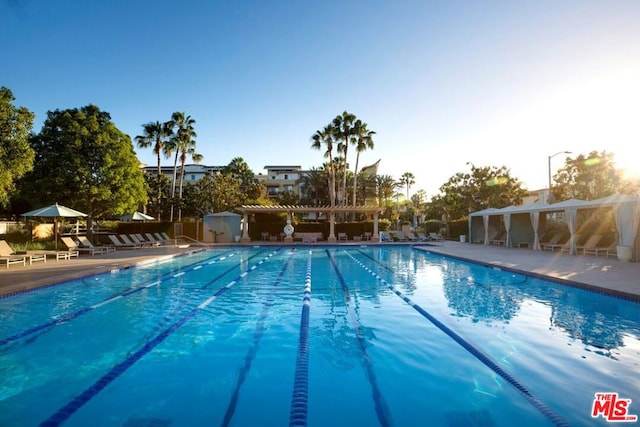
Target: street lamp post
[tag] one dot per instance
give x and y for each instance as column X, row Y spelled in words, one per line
column 549, row 165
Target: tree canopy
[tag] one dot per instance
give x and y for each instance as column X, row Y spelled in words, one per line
column 16, row 155
column 590, row 177
column 484, row 187
column 84, row 161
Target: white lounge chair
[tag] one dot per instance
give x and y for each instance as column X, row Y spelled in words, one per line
column 119, row 243
column 9, row 257
column 86, row 243
column 73, row 246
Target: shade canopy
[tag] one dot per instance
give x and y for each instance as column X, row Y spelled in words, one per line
column 136, row 216
column 55, row 211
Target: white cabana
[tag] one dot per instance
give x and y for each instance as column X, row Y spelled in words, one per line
column 520, row 229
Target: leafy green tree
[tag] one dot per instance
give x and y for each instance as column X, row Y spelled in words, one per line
column 407, row 179
column 158, row 195
column 213, row 193
column 155, row 135
column 326, row 138
column 484, row 187
column 590, row 177
column 84, row 161
column 16, row 155
column 364, row 141
column 288, row 197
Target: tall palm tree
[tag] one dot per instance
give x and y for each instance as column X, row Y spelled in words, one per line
column 407, row 179
column 187, row 149
column 155, row 134
column 240, row 169
column 386, row 187
column 364, row 141
column 344, row 130
column 326, row 137
column 182, row 133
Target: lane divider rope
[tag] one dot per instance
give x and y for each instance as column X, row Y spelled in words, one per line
column 300, row 394
column 67, row 317
column 382, row 412
column 76, row 403
column 537, row 403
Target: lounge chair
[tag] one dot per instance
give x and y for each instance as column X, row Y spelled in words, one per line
column 343, row 237
column 9, row 257
column 119, row 243
column 384, row 237
column 500, row 239
column 58, row 255
column 435, row 236
column 86, row 243
column 553, row 243
column 422, row 237
column 412, row 237
column 153, row 239
column 367, row 235
column 590, row 244
column 603, row 250
column 566, row 246
column 73, row 246
column 142, row 242
column 401, row 237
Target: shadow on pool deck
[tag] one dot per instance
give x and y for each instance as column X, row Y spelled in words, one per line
column 607, row 275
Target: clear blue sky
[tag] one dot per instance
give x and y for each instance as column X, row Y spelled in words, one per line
column 442, row 83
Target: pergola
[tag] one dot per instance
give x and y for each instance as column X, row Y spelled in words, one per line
column 289, row 209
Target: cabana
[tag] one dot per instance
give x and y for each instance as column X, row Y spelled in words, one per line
column 521, row 229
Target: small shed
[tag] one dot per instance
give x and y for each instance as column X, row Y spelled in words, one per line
column 221, row 227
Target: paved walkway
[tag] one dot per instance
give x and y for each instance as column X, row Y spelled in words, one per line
column 609, row 275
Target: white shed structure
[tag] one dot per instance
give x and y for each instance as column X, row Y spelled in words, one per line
column 221, row 227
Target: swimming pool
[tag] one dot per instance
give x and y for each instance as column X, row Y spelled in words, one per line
column 323, row 336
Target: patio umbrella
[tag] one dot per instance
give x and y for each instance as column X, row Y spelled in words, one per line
column 136, row 216
column 55, row 211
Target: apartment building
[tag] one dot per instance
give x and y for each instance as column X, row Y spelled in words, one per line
column 277, row 179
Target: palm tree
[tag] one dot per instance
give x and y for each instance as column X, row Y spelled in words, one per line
column 344, row 130
column 180, row 143
column 240, row 169
column 188, row 149
column 407, row 179
column 326, row 137
column 155, row 134
column 364, row 141
column 386, row 186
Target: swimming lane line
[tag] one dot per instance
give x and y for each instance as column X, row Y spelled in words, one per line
column 537, row 403
column 300, row 394
column 380, row 404
column 128, row 292
column 76, row 403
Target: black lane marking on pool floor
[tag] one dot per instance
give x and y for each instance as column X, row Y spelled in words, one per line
column 530, row 397
column 300, row 393
column 381, row 406
column 76, row 403
column 253, row 350
column 67, row 317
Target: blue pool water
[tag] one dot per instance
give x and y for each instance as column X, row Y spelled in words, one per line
column 323, row 336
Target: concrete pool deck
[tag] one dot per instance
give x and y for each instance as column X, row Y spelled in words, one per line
column 608, row 275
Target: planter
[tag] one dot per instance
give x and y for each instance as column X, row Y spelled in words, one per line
column 625, row 253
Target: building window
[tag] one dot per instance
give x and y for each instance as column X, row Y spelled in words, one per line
column 193, row 177
column 286, row 176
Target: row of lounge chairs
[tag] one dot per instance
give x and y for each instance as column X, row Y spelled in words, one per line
column 590, row 247
column 122, row 241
